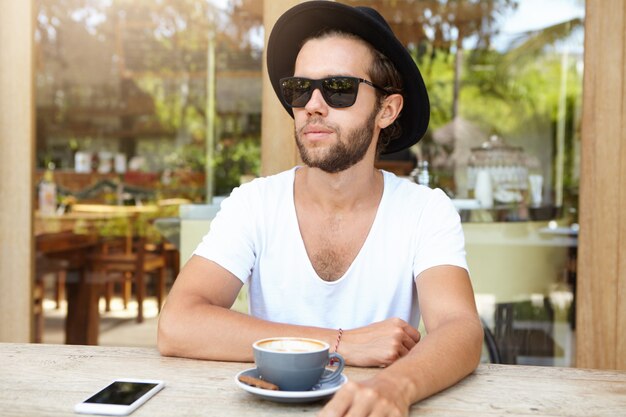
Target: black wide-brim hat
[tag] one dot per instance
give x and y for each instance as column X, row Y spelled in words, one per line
column 310, row 18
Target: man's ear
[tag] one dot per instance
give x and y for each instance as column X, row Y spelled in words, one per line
column 390, row 110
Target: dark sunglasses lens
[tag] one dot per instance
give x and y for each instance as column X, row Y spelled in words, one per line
column 296, row 91
column 340, row 91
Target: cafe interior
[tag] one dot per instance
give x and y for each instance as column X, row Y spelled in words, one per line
column 124, row 124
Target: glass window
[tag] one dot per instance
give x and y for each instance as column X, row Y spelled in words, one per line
column 505, row 85
column 134, row 91
column 147, row 101
column 141, row 106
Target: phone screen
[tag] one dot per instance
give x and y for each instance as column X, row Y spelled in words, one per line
column 121, row 393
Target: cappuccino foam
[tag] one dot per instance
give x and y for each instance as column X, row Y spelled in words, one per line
column 291, row 345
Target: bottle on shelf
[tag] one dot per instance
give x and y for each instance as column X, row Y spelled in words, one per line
column 48, row 192
column 422, row 176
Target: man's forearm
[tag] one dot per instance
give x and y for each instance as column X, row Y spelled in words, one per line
column 442, row 358
column 205, row 331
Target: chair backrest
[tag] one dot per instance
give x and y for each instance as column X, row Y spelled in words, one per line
column 523, row 329
column 490, row 344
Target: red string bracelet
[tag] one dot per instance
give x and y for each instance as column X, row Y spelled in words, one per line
column 332, row 362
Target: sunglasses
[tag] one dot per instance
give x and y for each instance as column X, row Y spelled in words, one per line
column 338, row 92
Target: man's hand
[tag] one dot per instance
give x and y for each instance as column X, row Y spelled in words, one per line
column 378, row 344
column 377, row 396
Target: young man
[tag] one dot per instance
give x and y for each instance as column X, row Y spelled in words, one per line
column 337, row 250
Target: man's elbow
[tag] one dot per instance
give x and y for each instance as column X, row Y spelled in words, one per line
column 166, row 338
column 163, row 345
column 475, row 345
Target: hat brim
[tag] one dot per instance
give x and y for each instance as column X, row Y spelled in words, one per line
column 309, row 18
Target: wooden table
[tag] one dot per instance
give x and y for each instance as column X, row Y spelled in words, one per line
column 47, row 380
column 82, row 319
column 71, row 237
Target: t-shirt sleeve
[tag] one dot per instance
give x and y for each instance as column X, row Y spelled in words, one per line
column 230, row 240
column 440, row 240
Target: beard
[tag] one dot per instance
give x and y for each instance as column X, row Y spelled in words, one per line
column 344, row 153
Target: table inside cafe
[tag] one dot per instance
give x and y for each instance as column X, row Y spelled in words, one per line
column 47, row 380
column 71, row 237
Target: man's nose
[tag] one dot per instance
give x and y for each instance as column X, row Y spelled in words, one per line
column 316, row 103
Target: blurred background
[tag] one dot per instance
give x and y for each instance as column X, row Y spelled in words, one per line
column 158, row 104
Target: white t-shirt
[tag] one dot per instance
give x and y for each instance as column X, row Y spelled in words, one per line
column 256, row 237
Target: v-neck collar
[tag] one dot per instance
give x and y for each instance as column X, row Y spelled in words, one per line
column 300, row 240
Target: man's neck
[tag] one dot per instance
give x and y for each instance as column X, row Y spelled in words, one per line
column 358, row 187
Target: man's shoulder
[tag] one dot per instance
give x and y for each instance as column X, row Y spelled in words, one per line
column 405, row 193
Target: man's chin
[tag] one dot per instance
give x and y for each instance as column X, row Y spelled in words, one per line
column 314, row 158
column 329, row 170
column 329, row 166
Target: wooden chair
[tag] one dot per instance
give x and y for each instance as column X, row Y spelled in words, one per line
column 132, row 265
column 171, row 254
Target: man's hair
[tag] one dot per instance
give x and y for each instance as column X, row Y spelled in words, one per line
column 383, row 73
